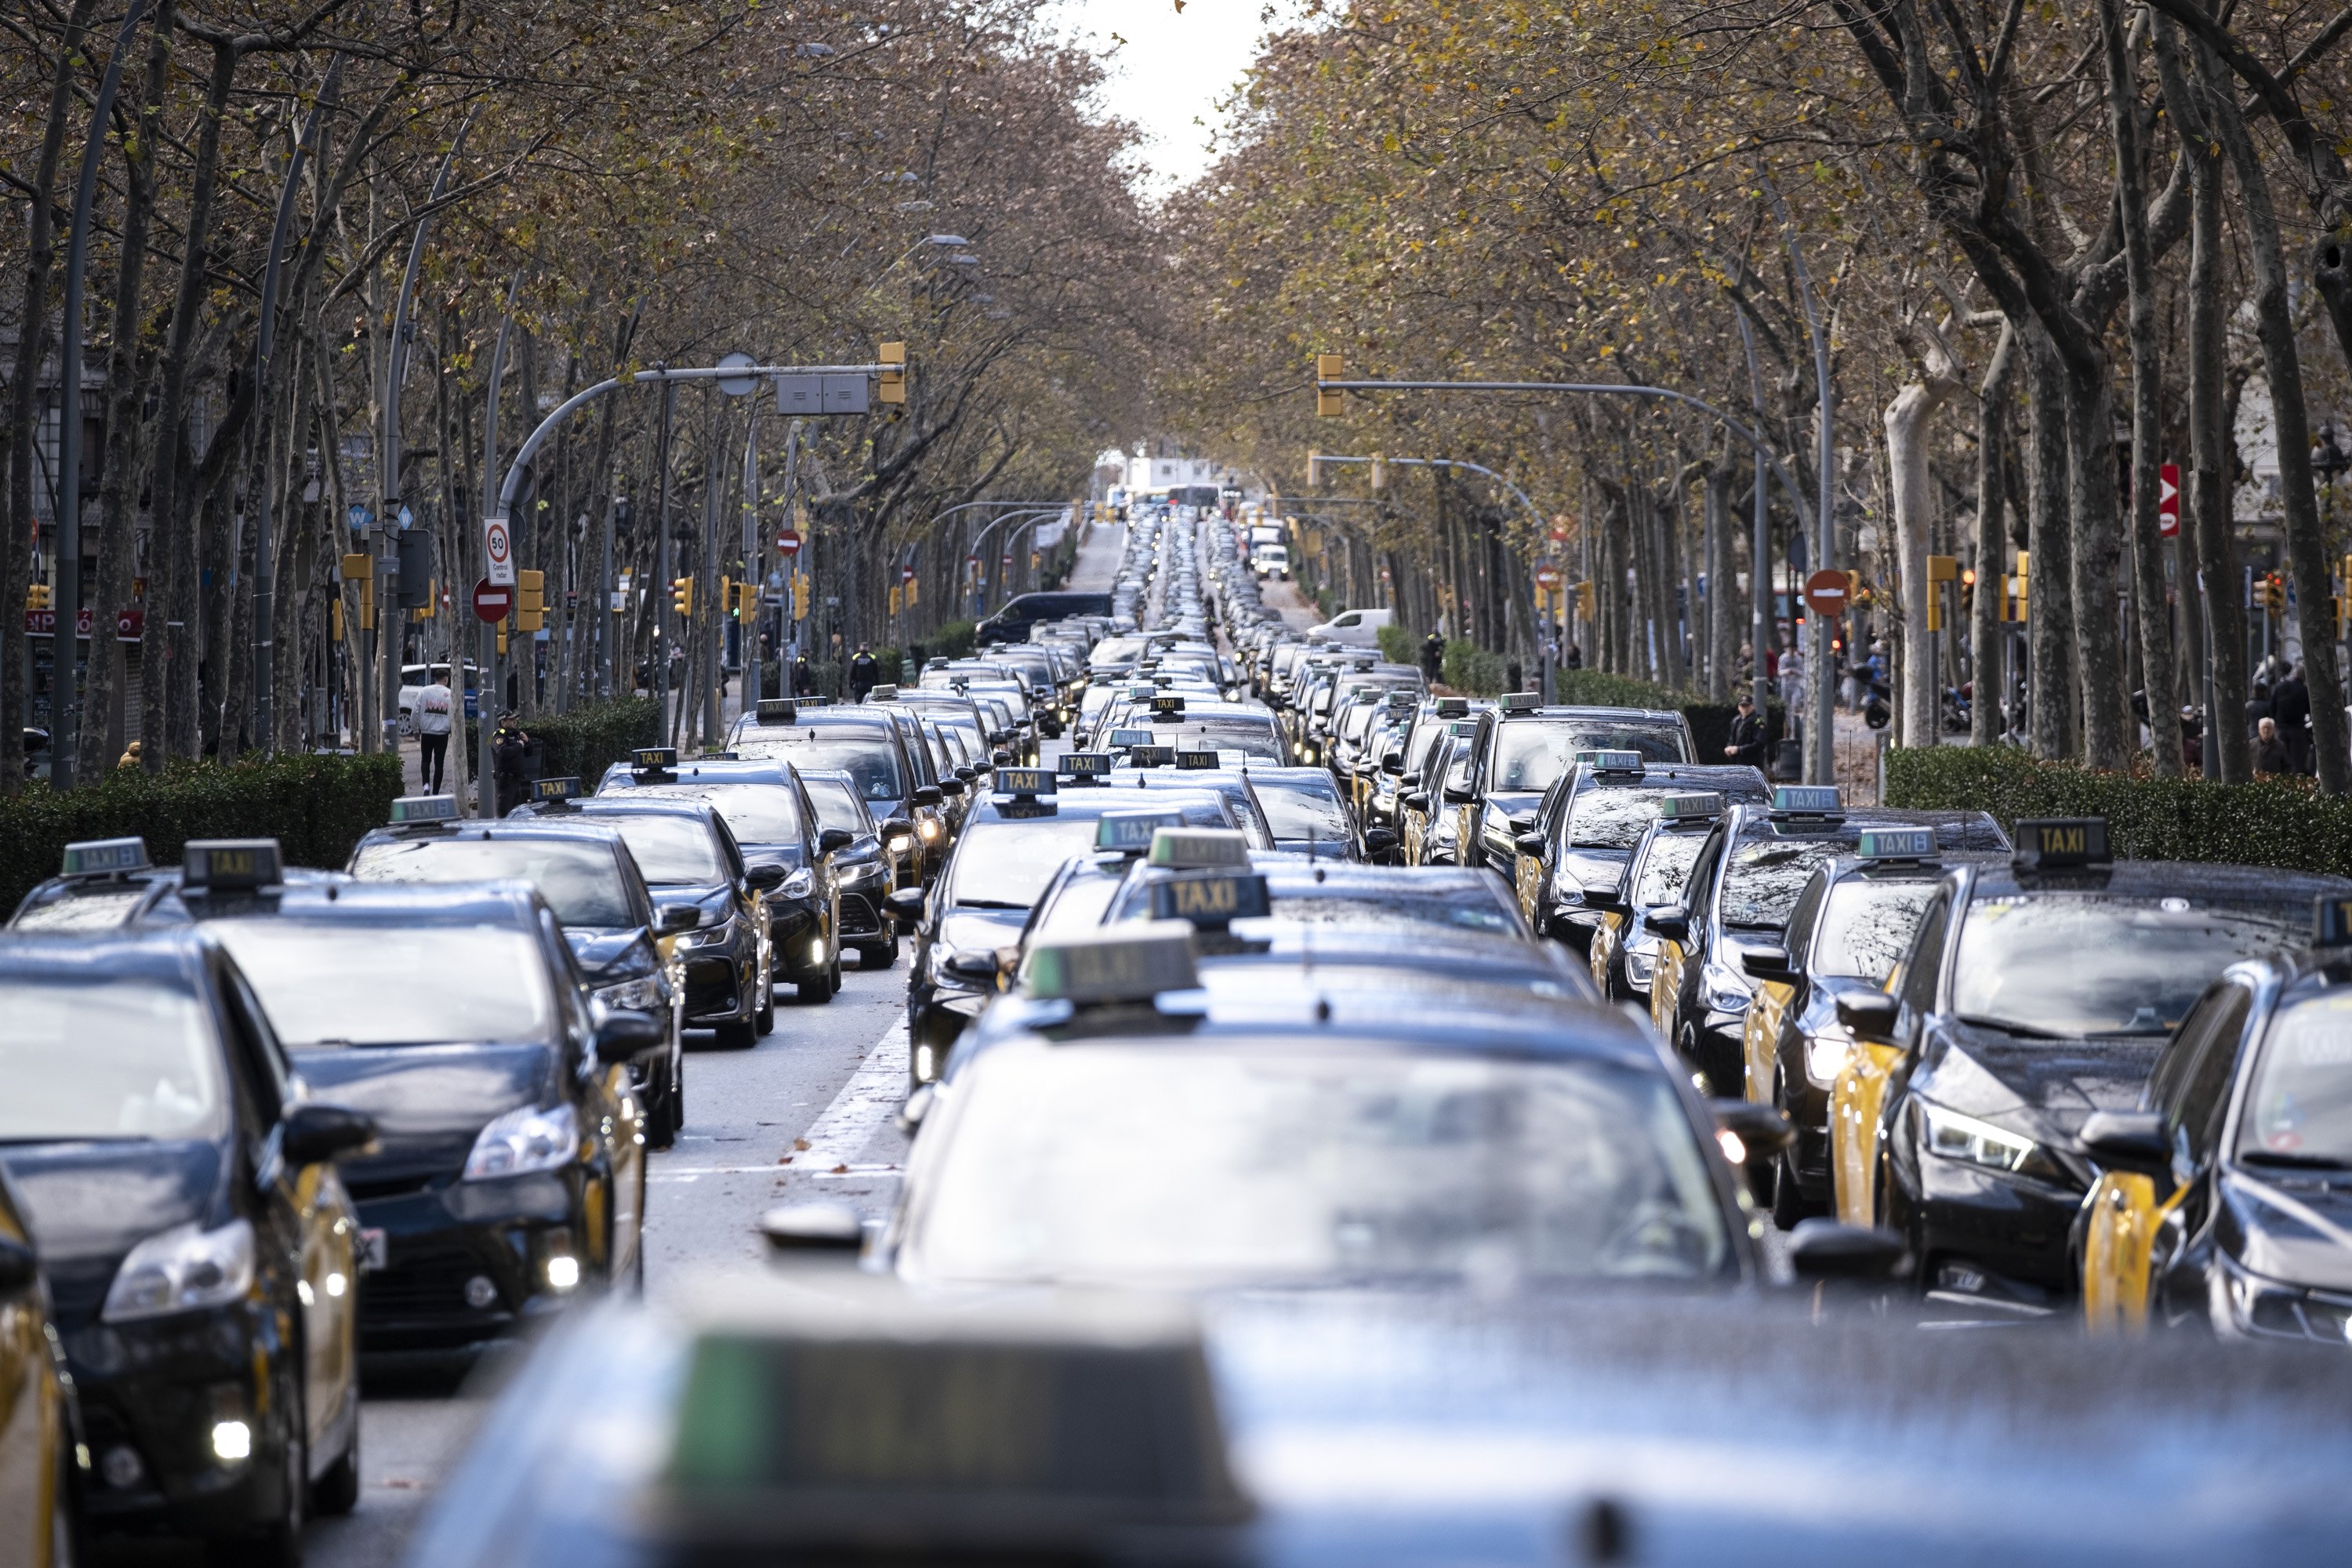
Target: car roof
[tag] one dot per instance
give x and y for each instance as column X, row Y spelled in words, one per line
column 424, row 903
column 152, row 953
column 710, row 770
column 2166, row 878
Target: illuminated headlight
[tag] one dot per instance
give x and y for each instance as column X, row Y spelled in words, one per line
column 861, row 875
column 523, row 1141
column 641, row 994
column 563, row 1272
column 1299, row 750
column 1825, row 1053
column 1974, row 1143
column 929, row 829
column 232, row 1441
column 181, row 1270
column 1725, row 991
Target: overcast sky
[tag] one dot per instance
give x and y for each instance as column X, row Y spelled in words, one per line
column 1171, row 70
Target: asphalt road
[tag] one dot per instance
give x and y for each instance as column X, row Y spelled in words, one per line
column 805, row 1113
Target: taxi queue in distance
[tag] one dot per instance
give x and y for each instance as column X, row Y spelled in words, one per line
column 1189, row 887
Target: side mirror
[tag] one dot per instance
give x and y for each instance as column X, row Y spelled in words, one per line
column 1761, row 1128
column 905, row 904
column 313, row 1133
column 1392, row 766
column 1523, row 822
column 625, row 1032
column 950, row 785
column 929, row 794
column 1870, row 1015
column 1459, row 797
column 833, row 839
column 896, row 827
column 1418, row 800
column 1669, row 921
column 973, row 965
column 18, row 1266
column 1378, row 840
column 967, row 773
column 1529, row 844
column 671, row 919
column 1002, row 756
column 1768, row 963
column 1826, row 1249
column 766, row 878
column 812, row 1228
column 2129, row 1141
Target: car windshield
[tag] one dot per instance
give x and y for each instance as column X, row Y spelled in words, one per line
column 1529, row 753
column 354, row 983
column 580, row 879
column 1007, row 865
column 2055, row 963
column 672, row 851
column 1253, row 738
column 1766, row 876
column 866, row 756
column 1665, row 868
column 754, row 812
column 107, row 1059
column 1079, row 905
column 1452, row 909
column 76, row 911
column 2301, row 1107
column 1866, row 927
column 1614, row 818
column 1297, row 810
column 1143, row 1165
column 837, row 805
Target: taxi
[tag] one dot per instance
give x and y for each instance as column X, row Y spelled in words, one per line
column 1739, row 896
column 1522, row 747
column 1587, row 825
column 2222, row 1201
column 44, row 1459
column 1402, row 760
column 1851, row 926
column 1427, row 833
column 865, row 869
column 1082, row 891
column 200, row 1250
column 108, row 883
column 1623, row 952
column 868, row 743
column 2033, row 996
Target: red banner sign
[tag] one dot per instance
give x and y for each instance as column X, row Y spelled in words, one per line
column 130, row 625
column 2168, row 500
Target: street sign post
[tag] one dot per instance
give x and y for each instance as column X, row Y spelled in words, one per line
column 1826, row 593
column 788, row 543
column 2168, row 500
column 492, row 600
column 498, row 552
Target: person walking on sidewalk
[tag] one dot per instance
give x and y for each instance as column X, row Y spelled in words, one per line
column 863, row 673
column 432, row 719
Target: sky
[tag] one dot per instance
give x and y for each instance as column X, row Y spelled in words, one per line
column 1170, row 70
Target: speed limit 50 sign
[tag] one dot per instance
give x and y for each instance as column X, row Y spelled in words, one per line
column 498, row 552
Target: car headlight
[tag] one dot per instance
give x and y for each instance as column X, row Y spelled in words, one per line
column 1641, row 966
column 799, row 885
column 640, row 994
column 1566, row 889
column 523, row 1141
column 1974, row 1143
column 181, row 1270
column 1725, row 991
column 861, row 874
column 930, row 829
column 1825, row 1053
column 717, row 935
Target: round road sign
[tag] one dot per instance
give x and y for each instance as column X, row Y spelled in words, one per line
column 788, row 543
column 491, row 602
column 1826, row 593
column 1547, row 577
column 737, row 385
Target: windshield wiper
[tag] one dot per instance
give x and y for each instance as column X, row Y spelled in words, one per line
column 987, row 904
column 2293, row 1157
column 2009, row 1026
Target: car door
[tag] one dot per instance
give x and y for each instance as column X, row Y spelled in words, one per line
column 606, row 1104
column 1859, row 1099
column 1768, row 1013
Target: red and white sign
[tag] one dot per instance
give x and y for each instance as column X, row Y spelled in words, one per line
column 498, row 553
column 1547, row 577
column 130, row 625
column 788, row 543
column 906, row 574
column 2168, row 500
column 492, row 601
column 1825, row 593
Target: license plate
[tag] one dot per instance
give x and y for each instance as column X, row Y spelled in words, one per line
column 371, row 1249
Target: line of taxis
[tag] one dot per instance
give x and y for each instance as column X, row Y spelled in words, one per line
column 1405, row 1189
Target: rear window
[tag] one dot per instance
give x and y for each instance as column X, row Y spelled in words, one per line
column 870, row 756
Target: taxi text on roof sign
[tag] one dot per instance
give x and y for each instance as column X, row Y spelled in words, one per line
column 1611, row 761
column 2046, row 843
column 229, row 863
column 1453, row 707
column 1678, row 807
column 1898, row 844
column 1186, row 848
column 105, row 856
column 1151, row 756
column 778, row 709
column 1522, row 701
column 1197, row 760
column 1807, row 800
column 1087, row 764
column 1026, row 781
column 1213, row 898
column 1125, row 963
column 411, row 808
column 1121, row 739
column 2331, row 921
column 555, row 789
column 653, row 759
column 1131, row 832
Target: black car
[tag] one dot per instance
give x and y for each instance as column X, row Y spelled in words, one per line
column 200, row 1248
column 868, row 743
column 1521, row 747
column 108, row 883
column 1583, row 831
column 866, row 868
column 774, row 823
column 2224, row 1201
column 1011, row 623
column 584, row 871
column 2033, row 996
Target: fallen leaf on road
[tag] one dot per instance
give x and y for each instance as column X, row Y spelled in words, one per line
column 785, row 1161
column 841, row 1170
column 799, row 1145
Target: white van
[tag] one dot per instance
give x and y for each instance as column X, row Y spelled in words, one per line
column 1357, row 629
column 1270, row 560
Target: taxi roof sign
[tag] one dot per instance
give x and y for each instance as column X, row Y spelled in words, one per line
column 1131, row 832
column 1031, row 781
column 2331, row 921
column 2053, row 843
column 1121, row 739
column 1194, row 849
column 1463, row 727
column 1522, row 701
column 1807, row 800
column 1199, row 759
column 1602, row 762
column 1696, row 803
column 230, row 864
column 410, row 809
column 1151, row 756
column 105, row 856
column 1453, row 707
column 1086, row 764
column 653, row 759
column 1897, row 844
column 888, row 694
column 559, row 789
column 1210, row 900
column 778, row 709
column 1117, row 964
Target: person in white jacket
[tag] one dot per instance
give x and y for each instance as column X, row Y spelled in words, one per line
column 432, row 719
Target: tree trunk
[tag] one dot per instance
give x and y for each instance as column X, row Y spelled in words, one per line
column 1724, row 619
column 2050, row 628
column 1911, row 491
column 1991, row 684
column 2091, row 490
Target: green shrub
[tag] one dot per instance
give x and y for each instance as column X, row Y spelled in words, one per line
column 585, row 742
column 953, row 640
column 315, row 806
column 2281, row 822
column 1399, row 646
column 1471, row 669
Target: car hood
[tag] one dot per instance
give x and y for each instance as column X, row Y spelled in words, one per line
column 1510, row 803
column 2288, row 1226
column 429, row 1101
column 966, row 929
column 2043, row 1087
column 599, row 948
column 89, row 1204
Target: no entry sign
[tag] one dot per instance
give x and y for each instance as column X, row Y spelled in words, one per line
column 2168, row 500
column 788, row 543
column 1547, row 577
column 1825, row 593
column 492, row 601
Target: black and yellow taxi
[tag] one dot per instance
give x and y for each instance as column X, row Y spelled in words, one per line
column 1586, row 826
column 43, row 1456
column 2033, row 996
column 866, row 868
column 1401, row 761
column 1623, row 952
column 582, row 870
column 2225, row 1201
column 1741, row 891
column 1426, row 836
column 1521, row 748
column 202, row 1253
column 1851, row 926
column 774, row 823
column 867, row 742
column 108, row 883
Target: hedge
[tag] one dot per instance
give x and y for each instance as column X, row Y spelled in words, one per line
column 1399, row 646
column 2280, row 821
column 582, row 743
column 315, row 806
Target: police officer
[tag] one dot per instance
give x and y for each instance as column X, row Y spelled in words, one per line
column 1433, row 655
column 1747, row 735
column 862, row 673
column 510, row 750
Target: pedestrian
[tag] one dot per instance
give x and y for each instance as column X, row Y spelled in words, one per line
column 2258, row 707
column 1575, row 657
column 432, row 722
column 510, row 752
column 129, row 756
column 2270, row 752
column 2192, row 741
column 1747, row 735
column 1433, row 655
column 1792, row 673
column 862, row 673
column 800, row 675
column 2291, row 706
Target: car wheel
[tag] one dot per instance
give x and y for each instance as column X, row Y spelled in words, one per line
column 765, row 1021
column 879, row 955
column 338, row 1491
column 817, row 988
column 737, row 1035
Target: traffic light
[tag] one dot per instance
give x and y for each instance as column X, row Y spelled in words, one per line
column 681, row 597
column 1314, row 470
column 36, row 598
column 747, row 606
column 1329, row 367
column 726, row 594
column 2270, row 593
column 530, row 600
column 890, row 386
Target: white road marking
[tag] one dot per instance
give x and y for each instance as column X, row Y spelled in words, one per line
column 870, row 1097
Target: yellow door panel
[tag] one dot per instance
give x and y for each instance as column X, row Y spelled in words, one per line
column 1526, row 876
column 1605, row 949
column 1665, row 985
column 1759, row 1034
column 1854, row 1101
column 2118, row 1251
column 330, row 1296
